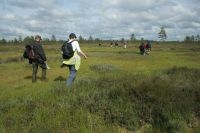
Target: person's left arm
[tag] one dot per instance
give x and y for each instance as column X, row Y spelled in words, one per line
column 42, row 53
column 80, row 52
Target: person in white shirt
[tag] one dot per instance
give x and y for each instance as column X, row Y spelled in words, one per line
column 74, row 62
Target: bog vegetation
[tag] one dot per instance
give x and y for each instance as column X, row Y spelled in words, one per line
column 116, row 90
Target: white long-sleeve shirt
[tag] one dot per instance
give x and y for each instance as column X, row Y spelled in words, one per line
column 75, row 45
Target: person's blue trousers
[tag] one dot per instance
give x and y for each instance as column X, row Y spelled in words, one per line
column 72, row 75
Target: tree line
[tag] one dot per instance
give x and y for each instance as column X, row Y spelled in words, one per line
column 90, row 39
column 162, row 35
column 192, row 38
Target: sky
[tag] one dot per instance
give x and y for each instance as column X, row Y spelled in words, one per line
column 104, row 19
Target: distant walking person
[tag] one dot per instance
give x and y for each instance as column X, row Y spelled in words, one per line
column 142, row 48
column 71, row 51
column 36, row 55
column 148, row 45
column 111, row 44
column 116, row 44
column 124, row 43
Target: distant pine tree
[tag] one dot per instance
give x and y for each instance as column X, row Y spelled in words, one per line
column 162, row 34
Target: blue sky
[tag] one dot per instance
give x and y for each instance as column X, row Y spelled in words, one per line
column 103, row 19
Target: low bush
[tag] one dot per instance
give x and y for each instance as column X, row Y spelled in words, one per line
column 131, row 101
column 165, row 103
column 104, row 68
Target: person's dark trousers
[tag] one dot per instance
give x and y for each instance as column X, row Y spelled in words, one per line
column 43, row 74
column 72, row 75
column 142, row 52
column 35, row 69
column 34, row 72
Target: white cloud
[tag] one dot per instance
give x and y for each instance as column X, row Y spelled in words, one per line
column 9, row 16
column 30, row 4
column 103, row 19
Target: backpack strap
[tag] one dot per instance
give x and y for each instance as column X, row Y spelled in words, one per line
column 71, row 41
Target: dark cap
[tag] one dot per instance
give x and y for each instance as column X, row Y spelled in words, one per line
column 38, row 37
column 72, row 35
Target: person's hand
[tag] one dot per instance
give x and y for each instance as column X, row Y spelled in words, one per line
column 85, row 57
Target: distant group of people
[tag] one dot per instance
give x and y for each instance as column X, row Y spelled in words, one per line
column 145, row 47
column 35, row 54
column 116, row 44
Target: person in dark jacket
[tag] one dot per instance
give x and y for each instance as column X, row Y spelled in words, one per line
column 40, row 60
column 148, row 45
column 142, row 48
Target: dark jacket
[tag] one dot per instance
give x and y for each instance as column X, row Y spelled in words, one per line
column 40, row 52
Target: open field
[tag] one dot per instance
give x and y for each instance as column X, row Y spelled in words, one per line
column 116, row 90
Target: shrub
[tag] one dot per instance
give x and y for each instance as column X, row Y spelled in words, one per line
column 105, row 68
column 166, row 103
column 157, row 100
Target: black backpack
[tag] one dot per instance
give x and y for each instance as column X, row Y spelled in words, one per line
column 67, row 50
column 30, row 52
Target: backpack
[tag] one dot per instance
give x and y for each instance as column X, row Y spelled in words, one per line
column 67, row 50
column 30, row 52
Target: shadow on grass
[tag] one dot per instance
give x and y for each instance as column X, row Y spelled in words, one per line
column 129, row 52
column 28, row 77
column 12, row 59
column 60, row 78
